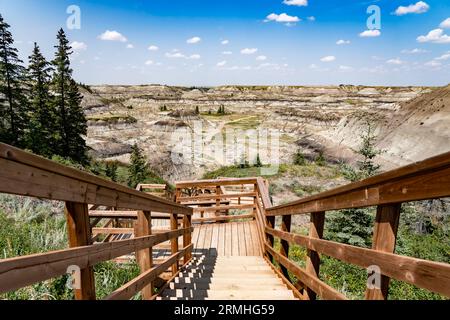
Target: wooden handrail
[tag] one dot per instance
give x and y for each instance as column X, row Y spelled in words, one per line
column 18, row 272
column 23, row 173
column 428, row 179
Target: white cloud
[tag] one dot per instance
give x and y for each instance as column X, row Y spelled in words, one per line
column 419, row 7
column 328, row 59
column 249, row 51
column 445, row 24
column 435, row 36
column 78, row 46
column 149, row 62
column 414, row 51
column 193, row 40
column 227, row 53
column 298, row 3
column 175, row 55
column 345, row 68
column 341, row 42
column 221, row 64
column 153, row 48
column 112, row 36
column 433, row 64
column 130, row 46
column 261, row 58
column 283, row 17
column 225, row 42
column 313, row 66
column 311, row 18
column 370, row 33
column 445, row 56
column 396, row 61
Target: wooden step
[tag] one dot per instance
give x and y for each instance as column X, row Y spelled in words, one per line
column 229, row 294
column 230, row 280
column 228, row 286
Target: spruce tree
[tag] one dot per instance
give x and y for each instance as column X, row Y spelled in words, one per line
column 354, row 226
column 111, row 170
column 41, row 138
column 13, row 101
column 138, row 170
column 72, row 123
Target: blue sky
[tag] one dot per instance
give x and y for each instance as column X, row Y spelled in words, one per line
column 285, row 42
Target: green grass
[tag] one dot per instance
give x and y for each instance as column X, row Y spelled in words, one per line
column 31, row 226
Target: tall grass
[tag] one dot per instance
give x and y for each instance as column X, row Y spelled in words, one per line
column 31, row 226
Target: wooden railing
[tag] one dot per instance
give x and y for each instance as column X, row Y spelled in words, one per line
column 212, row 200
column 22, row 173
column 429, row 179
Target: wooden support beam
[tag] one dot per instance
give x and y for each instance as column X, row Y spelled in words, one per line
column 284, row 249
column 384, row 239
column 143, row 227
column 313, row 259
column 174, row 241
column 79, row 232
column 223, row 218
column 187, row 238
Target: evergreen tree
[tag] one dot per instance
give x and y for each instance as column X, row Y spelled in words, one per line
column 354, row 226
column 197, row 110
column 138, row 170
column 111, row 170
column 41, row 139
column 299, row 159
column 258, row 163
column 13, row 101
column 71, row 120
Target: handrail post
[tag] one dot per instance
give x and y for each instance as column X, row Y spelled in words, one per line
column 284, row 249
column 187, row 237
column 144, row 257
column 313, row 259
column 174, row 241
column 79, row 232
column 384, row 238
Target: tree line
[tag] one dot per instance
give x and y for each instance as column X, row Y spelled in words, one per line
column 40, row 105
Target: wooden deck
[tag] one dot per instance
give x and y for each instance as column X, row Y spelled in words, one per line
column 227, row 239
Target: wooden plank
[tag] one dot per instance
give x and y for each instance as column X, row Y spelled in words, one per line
column 221, row 248
column 430, row 275
column 97, row 231
column 208, row 237
column 428, row 179
column 228, row 240
column 219, row 196
column 142, row 228
column 248, row 240
column 214, row 240
column 223, row 218
column 19, row 272
column 23, row 173
column 235, row 237
column 79, row 234
column 321, row 288
column 284, row 249
column 130, row 289
column 222, row 208
column 174, row 241
column 214, row 183
column 384, row 239
column 313, row 258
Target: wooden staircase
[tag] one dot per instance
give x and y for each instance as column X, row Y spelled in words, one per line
column 217, row 241
column 227, row 278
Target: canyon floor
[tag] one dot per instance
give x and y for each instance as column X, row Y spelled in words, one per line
column 411, row 124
